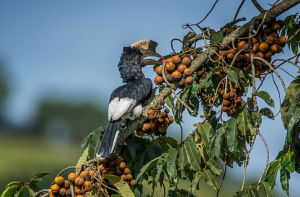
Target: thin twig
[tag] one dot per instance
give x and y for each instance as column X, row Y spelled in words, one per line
column 256, row 4
column 238, row 10
column 41, row 191
column 267, row 160
column 295, row 34
column 286, row 60
column 63, row 170
column 278, row 93
column 287, row 72
column 186, row 25
column 272, row 68
column 172, row 47
column 223, row 177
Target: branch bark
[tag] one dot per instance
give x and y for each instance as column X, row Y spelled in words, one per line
column 227, row 40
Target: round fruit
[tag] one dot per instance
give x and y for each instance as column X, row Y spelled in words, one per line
column 59, row 180
column 146, row 126
column 62, row 191
column 232, row 94
column 186, row 61
column 122, row 165
column 264, row 46
column 226, row 102
column 176, row 59
column 176, row 75
column 275, row 26
column 124, row 177
column 162, row 114
column 259, row 54
column 270, row 39
column 66, row 184
column 152, row 125
column 129, row 176
column 230, row 56
column 181, row 68
column 238, row 100
column 232, row 111
column 158, row 80
column 170, row 118
column 188, row 72
column 254, row 40
column 236, row 86
column 158, row 70
column 267, row 30
column 169, row 60
column 223, row 53
column 126, row 170
column 150, row 111
column 282, row 40
column 161, row 102
column 225, row 96
column 268, row 54
column 132, row 182
column 55, row 188
column 189, row 80
column 200, row 72
column 162, row 129
column 169, row 77
column 275, row 35
column 151, row 117
column 83, row 174
column 79, row 181
column 87, row 184
column 256, row 47
column 275, row 48
column 72, row 176
column 170, row 67
column 224, row 108
column 77, row 191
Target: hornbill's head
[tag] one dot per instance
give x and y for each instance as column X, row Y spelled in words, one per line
column 133, row 59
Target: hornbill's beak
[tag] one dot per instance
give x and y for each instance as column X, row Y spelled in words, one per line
column 147, row 48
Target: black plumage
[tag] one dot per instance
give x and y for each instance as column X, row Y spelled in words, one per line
column 136, row 90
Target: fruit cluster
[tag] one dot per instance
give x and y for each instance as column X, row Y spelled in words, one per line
column 265, row 44
column 83, row 181
column 176, row 70
column 231, row 99
column 157, row 122
column 116, row 166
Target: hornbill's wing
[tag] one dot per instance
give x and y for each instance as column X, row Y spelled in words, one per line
column 126, row 97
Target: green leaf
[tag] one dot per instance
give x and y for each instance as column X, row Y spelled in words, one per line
column 218, row 146
column 170, row 101
column 233, row 76
column 121, row 185
column 159, row 166
column 167, row 142
column 83, row 158
column 10, row 191
column 217, row 37
column 271, row 172
column 231, row 132
column 267, row 112
column 193, row 154
column 147, row 167
column 182, row 159
column 290, row 108
column 284, row 180
column 171, row 165
column 204, row 131
column 20, row 192
column 244, row 125
column 210, row 179
column 268, row 189
column 266, row 97
column 196, row 181
column 31, row 192
column 92, row 142
column 214, row 166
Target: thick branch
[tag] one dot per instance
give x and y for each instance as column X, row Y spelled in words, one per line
column 203, row 57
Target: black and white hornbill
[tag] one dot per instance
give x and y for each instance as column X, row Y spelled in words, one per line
column 130, row 96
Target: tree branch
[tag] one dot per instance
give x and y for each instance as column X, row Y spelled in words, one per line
column 257, row 5
column 227, row 40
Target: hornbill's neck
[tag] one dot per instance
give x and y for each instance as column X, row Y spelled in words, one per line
column 130, row 64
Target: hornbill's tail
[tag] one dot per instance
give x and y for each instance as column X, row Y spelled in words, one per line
column 109, row 140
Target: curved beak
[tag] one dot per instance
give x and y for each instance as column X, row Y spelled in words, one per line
column 147, row 48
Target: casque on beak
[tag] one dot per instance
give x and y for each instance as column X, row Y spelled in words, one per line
column 147, row 48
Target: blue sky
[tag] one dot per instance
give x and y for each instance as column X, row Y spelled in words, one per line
column 71, row 48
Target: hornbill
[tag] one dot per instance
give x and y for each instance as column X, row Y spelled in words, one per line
column 128, row 97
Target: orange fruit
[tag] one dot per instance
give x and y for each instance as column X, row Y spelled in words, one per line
column 224, row 108
column 232, row 94
column 124, row 177
column 87, row 184
column 232, row 111
column 264, row 46
column 150, row 111
column 171, row 119
column 200, row 72
column 268, row 54
column 77, row 191
column 230, row 56
column 72, row 176
column 176, row 59
column 181, row 68
column 275, row 35
column 169, row 60
column 188, row 72
column 132, row 182
column 79, row 181
column 223, row 53
column 186, row 61
column 146, row 126
column 270, row 39
column 83, row 174
column 62, row 191
column 122, row 165
column 158, row 70
column 275, row 48
column 158, row 80
column 162, row 129
column 189, row 80
column 282, row 40
column 236, row 86
column 256, row 47
column 259, row 54
column 275, row 26
column 59, row 180
column 126, row 170
column 170, row 67
column 129, row 176
column 254, row 40
column 225, row 102
column 176, row 75
column 55, row 188
column 67, row 184
column 225, row 96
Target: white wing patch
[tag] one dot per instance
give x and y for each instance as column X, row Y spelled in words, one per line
column 138, row 110
column 118, row 107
